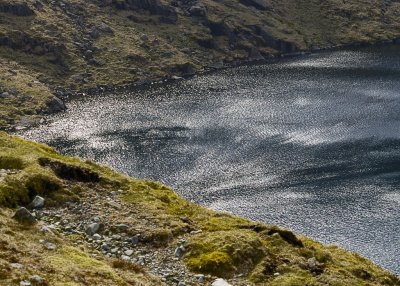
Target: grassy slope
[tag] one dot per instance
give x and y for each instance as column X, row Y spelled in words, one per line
column 227, row 245
column 79, row 44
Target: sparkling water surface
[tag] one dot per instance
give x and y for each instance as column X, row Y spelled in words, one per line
column 310, row 143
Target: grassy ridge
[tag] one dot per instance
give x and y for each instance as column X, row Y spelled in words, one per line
column 217, row 243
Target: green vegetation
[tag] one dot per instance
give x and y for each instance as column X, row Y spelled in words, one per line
column 217, row 243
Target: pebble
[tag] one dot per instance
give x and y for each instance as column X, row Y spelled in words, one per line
column 25, row 283
column 181, row 283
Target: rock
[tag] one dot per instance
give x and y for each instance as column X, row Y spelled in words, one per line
column 4, row 94
column 37, row 203
column 46, row 229
column 17, row 9
column 198, row 10
column 36, row 280
column 55, row 105
column 179, row 251
column 105, row 247
column 16, row 265
column 92, row 228
column 126, row 258
column 144, row 38
column 141, row 260
column 258, row 4
column 122, row 227
column 22, row 215
column 254, row 54
column 96, row 236
column 114, row 205
column 174, row 77
column 200, row 278
column 128, row 252
column 312, row 262
column 134, row 239
column 220, row 282
column 50, row 246
column 25, row 283
column 181, row 283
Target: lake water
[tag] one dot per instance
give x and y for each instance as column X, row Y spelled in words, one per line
column 311, row 143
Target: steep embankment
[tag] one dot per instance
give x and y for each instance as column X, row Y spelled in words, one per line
column 59, row 46
column 100, row 227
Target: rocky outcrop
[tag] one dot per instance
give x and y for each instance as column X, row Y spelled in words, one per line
column 258, row 4
column 155, row 7
column 17, row 9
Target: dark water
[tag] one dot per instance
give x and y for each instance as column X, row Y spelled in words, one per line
column 312, row 144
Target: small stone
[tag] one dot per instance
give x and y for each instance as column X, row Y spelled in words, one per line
column 46, row 229
column 125, row 258
column 181, row 283
column 141, row 260
column 179, row 251
column 96, row 236
column 37, row 203
column 114, row 250
column 105, row 247
column 220, row 282
column 144, row 38
column 92, row 228
column 37, row 280
column 50, row 246
column 200, row 278
column 122, row 227
column 114, row 205
column 25, row 283
column 5, row 94
column 22, row 215
column 16, row 265
column 128, row 252
column 193, row 232
column 277, row 274
column 312, row 262
column 134, row 239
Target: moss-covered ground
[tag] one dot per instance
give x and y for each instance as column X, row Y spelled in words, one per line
column 218, row 244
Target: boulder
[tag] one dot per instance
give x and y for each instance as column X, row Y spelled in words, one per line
column 92, row 228
column 55, row 105
column 37, row 203
column 23, row 216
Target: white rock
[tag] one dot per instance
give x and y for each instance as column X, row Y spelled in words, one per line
column 129, row 252
column 16, row 265
column 220, row 282
column 96, row 236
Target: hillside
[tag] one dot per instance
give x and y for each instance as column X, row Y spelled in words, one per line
column 52, row 48
column 100, row 227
